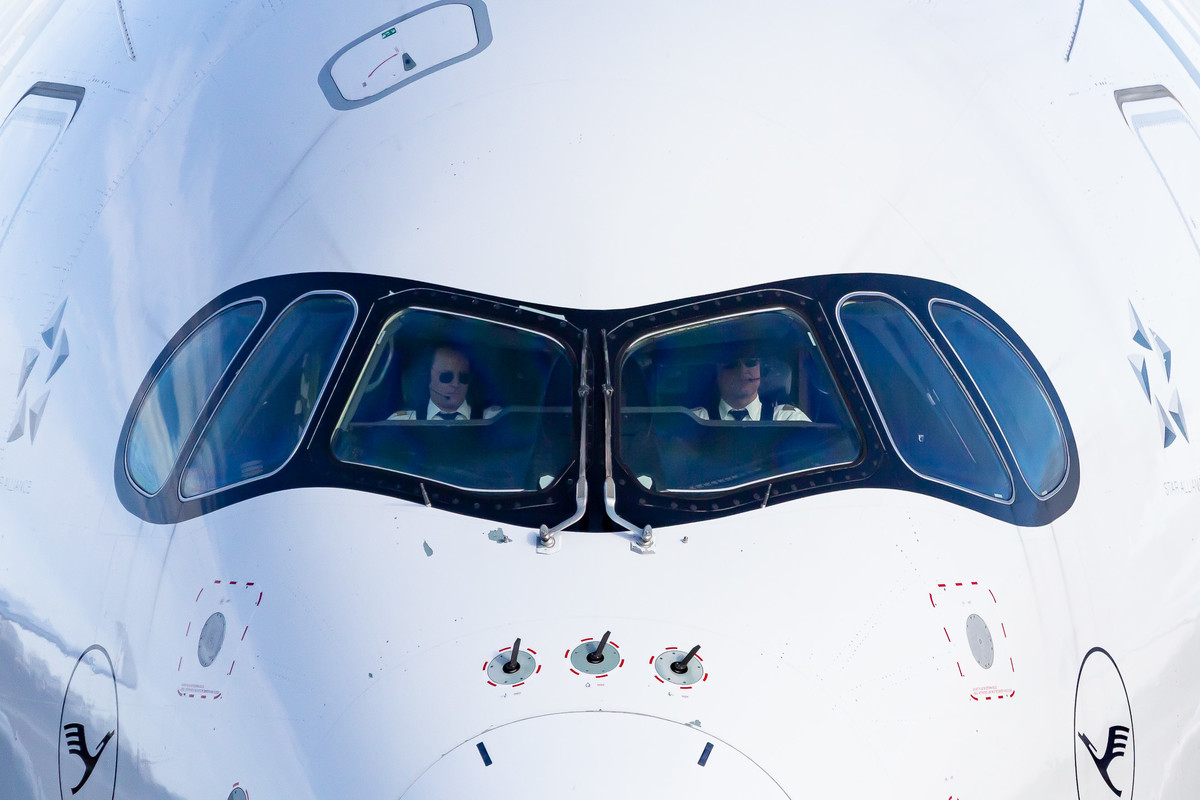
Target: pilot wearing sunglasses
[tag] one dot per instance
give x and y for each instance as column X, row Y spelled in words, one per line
column 449, row 377
column 738, row 401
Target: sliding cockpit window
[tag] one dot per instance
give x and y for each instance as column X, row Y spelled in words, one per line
column 471, row 403
column 929, row 418
column 728, row 402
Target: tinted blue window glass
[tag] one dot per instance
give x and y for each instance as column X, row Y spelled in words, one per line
column 173, row 403
column 464, row 401
column 262, row 418
column 729, row 402
column 1013, row 395
column 930, row 420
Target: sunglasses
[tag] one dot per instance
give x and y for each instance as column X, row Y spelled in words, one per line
column 740, row 362
column 447, row 376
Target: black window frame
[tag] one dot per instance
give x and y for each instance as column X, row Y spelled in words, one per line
column 605, row 332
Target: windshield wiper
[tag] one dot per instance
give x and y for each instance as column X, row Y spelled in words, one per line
column 645, row 535
column 547, row 540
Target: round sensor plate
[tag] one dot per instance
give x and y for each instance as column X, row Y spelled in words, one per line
column 980, row 638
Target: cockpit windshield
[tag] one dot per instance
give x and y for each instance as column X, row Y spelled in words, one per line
column 560, row 418
column 730, row 401
column 472, row 403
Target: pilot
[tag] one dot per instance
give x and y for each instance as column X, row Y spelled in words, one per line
column 737, row 384
column 449, row 377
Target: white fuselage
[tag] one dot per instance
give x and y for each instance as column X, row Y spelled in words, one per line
column 601, row 157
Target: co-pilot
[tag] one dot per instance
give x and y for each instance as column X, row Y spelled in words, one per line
column 737, row 398
column 449, row 377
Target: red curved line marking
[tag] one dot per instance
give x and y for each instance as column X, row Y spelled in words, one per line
column 381, row 63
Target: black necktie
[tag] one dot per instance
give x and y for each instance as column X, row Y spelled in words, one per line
column 448, row 414
column 739, row 414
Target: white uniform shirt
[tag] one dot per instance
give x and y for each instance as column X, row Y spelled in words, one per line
column 782, row 413
column 432, row 412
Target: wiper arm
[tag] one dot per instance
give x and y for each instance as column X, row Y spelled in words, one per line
column 645, row 536
column 547, row 540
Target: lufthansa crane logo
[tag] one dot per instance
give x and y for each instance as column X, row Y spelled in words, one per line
column 1151, row 364
column 89, row 742
column 77, row 746
column 1118, row 738
column 1104, row 737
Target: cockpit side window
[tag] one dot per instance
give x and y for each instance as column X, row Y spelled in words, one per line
column 263, row 416
column 928, row 416
column 1013, row 394
column 471, row 403
column 727, row 402
column 174, row 402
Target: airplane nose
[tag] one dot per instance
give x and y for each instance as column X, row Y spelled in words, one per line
column 595, row 755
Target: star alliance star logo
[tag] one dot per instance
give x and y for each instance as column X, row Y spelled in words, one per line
column 32, row 395
column 1150, row 374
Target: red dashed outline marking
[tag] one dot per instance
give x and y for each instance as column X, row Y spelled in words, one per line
column 1003, row 631
column 245, row 630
